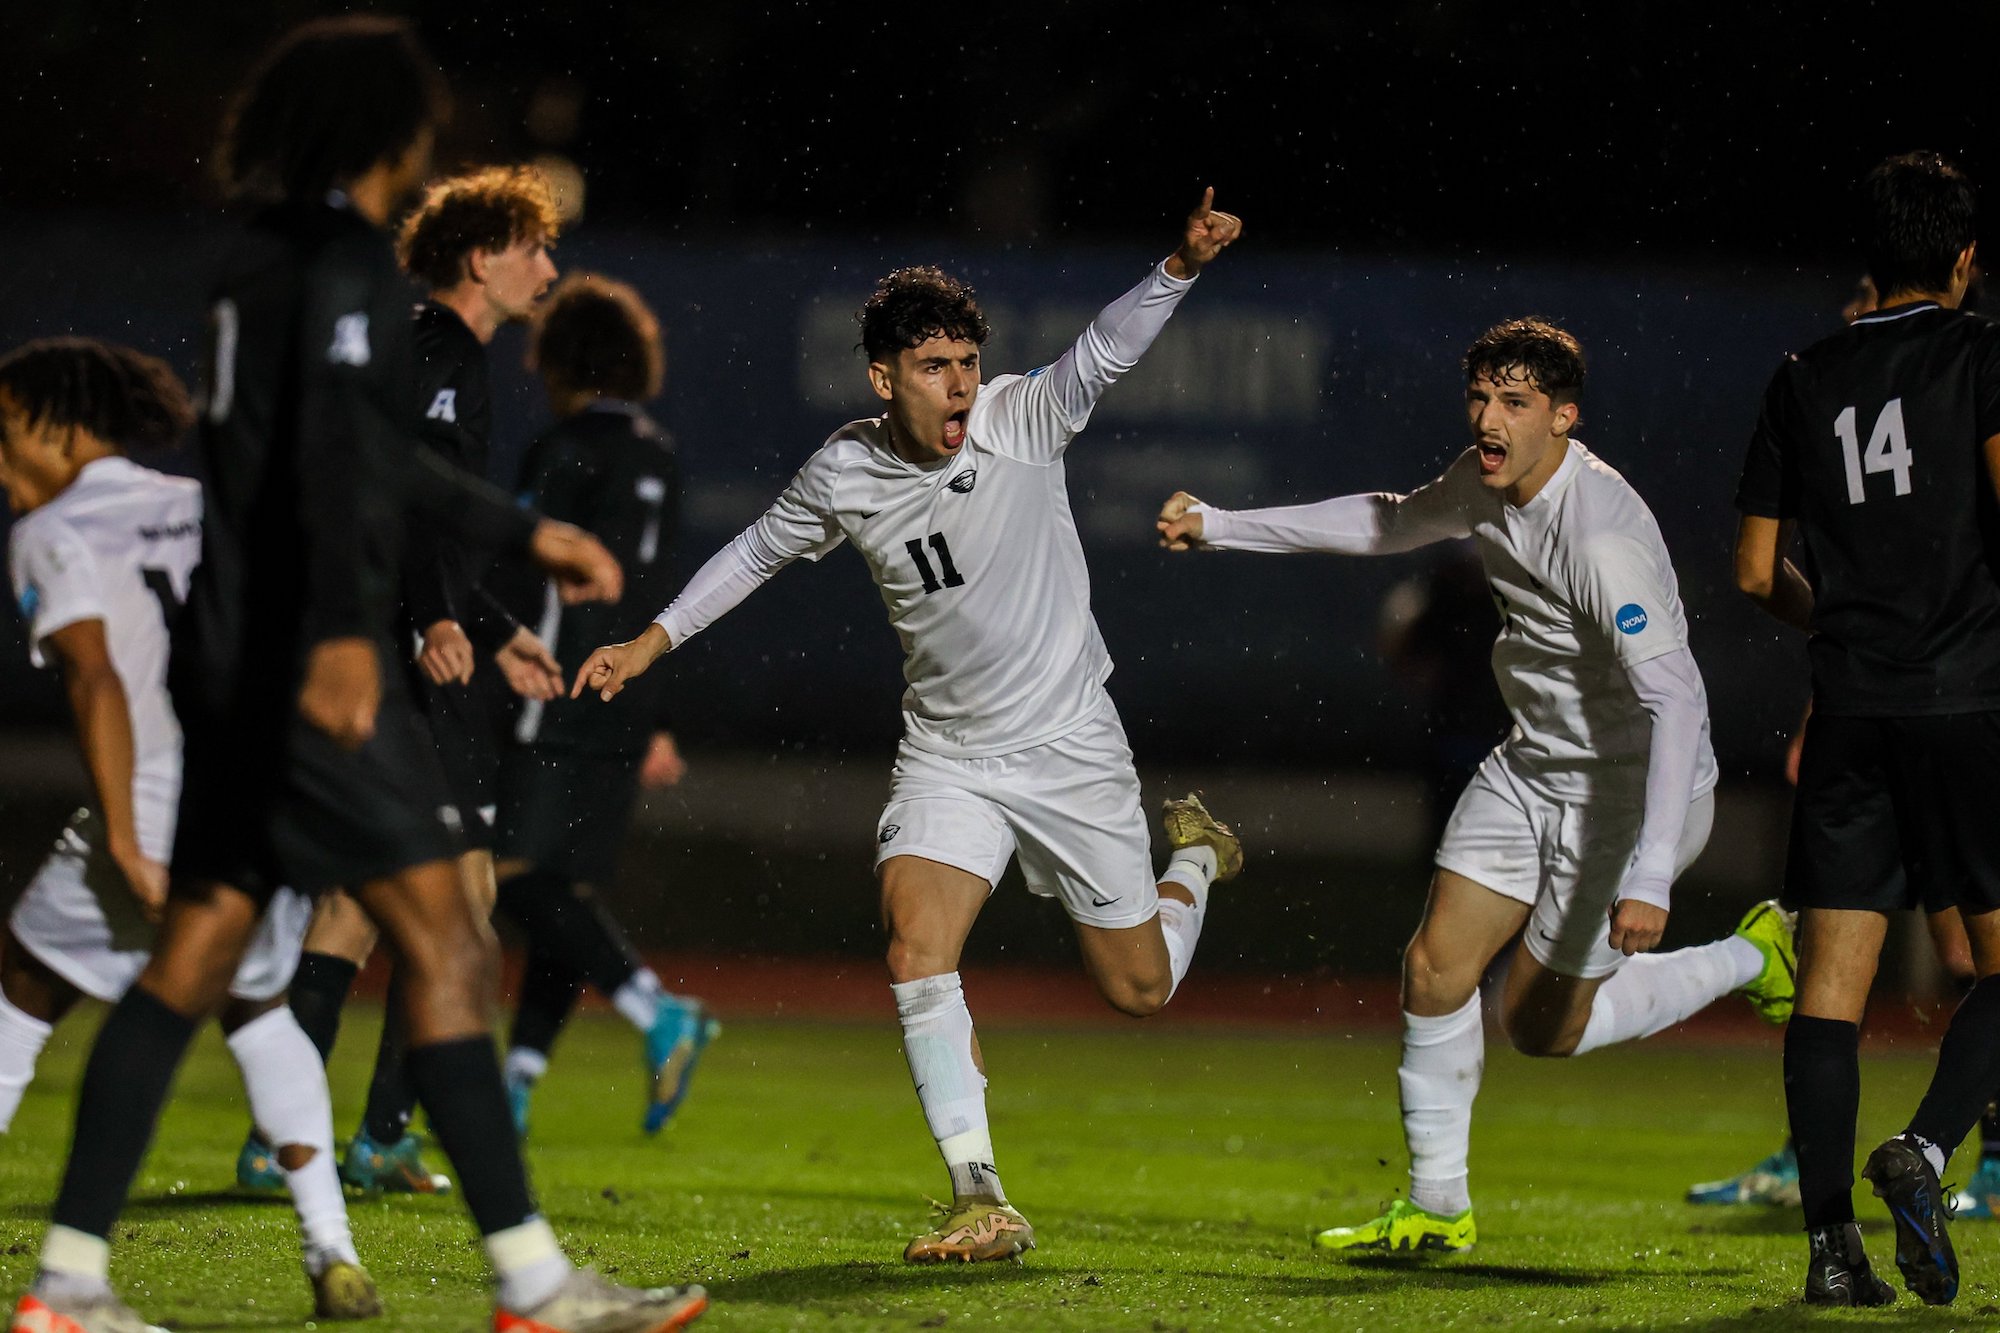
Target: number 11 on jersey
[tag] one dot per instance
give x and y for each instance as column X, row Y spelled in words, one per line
column 1888, row 449
column 952, row 578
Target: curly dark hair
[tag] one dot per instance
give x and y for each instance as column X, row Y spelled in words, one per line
column 331, row 99
column 123, row 397
column 913, row 305
column 1916, row 219
column 1548, row 357
column 595, row 335
column 489, row 209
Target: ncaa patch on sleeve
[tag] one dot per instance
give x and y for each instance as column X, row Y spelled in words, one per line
column 1630, row 618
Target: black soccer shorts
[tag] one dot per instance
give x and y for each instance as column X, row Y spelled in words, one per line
column 1897, row 812
column 268, row 800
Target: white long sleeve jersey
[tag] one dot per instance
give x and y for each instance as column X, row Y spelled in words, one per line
column 1585, row 589
column 976, row 556
column 119, row 545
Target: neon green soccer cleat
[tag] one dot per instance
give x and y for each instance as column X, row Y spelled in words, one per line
column 1188, row 824
column 342, row 1290
column 1405, row 1228
column 1771, row 929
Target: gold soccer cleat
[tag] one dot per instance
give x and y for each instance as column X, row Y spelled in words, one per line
column 345, row 1291
column 973, row 1231
column 1188, row 824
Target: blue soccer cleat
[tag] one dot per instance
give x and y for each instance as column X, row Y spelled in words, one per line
column 1773, row 1181
column 256, row 1169
column 1981, row 1196
column 392, row 1168
column 682, row 1029
column 520, row 1091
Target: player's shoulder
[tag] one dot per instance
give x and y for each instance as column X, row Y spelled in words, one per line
column 1604, row 507
column 862, row 441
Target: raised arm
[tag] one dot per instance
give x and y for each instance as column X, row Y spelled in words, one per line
column 1050, row 406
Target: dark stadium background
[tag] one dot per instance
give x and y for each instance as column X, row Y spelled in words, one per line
column 1668, row 180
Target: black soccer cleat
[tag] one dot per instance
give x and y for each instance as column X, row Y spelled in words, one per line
column 1838, row 1272
column 1903, row 1179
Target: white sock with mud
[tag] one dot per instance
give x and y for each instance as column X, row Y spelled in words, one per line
column 1193, row 868
column 286, row 1085
column 639, row 998
column 22, row 1037
column 1443, row 1059
column 1652, row 992
column 528, row 1264
column 937, row 1041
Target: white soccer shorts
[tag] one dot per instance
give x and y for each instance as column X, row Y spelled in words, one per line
column 1069, row 809
column 1565, row 861
column 80, row 920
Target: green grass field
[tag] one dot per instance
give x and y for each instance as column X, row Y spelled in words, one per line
column 1173, row 1177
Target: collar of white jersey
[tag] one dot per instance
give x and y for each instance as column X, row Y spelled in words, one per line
column 1897, row 312
column 1572, row 464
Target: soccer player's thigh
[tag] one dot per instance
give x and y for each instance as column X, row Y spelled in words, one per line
column 1488, row 874
column 1845, row 869
column 1074, row 808
column 1948, row 769
column 941, row 847
column 340, row 928
column 273, row 954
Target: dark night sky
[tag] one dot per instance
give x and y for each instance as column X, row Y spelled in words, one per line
column 1593, row 130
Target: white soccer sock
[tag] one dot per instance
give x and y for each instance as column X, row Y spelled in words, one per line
column 74, row 1263
column 639, row 998
column 1193, row 868
column 525, row 1065
column 937, row 1041
column 1443, row 1059
column 286, row 1085
column 1654, row 991
column 527, row 1263
column 22, row 1037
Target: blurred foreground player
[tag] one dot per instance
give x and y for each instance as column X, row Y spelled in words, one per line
column 1574, row 829
column 1880, row 447
column 305, row 761
column 100, row 560
column 957, row 499
column 479, row 245
column 570, row 780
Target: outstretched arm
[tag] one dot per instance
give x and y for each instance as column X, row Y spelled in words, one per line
column 1377, row 524
column 799, row 524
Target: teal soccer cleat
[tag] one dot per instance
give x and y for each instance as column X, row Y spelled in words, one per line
column 256, row 1170
column 1773, row 1181
column 682, row 1029
column 394, row 1168
column 1981, row 1196
column 520, row 1092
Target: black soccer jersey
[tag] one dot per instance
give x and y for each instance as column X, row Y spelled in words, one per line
column 1872, row 440
column 454, row 394
column 611, row 471
column 311, row 465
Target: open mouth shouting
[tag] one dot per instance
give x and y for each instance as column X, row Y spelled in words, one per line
column 1492, row 457
column 954, row 431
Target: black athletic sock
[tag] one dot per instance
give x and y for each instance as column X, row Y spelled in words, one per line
column 319, row 990
column 1822, row 1096
column 1968, row 1070
column 459, row 1084
column 572, row 926
column 549, row 990
column 391, row 1099
column 125, row 1085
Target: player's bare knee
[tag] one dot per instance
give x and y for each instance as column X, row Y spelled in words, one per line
column 1434, row 982
column 1138, row 997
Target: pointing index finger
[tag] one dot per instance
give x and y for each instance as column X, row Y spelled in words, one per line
column 1201, row 210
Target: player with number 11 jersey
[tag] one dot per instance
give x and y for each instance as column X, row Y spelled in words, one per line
column 956, row 497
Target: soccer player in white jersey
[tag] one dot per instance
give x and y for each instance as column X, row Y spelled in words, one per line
column 1576, row 826
column 956, row 498
column 100, row 559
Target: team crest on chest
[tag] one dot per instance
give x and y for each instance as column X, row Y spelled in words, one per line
column 444, row 407
column 964, row 481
